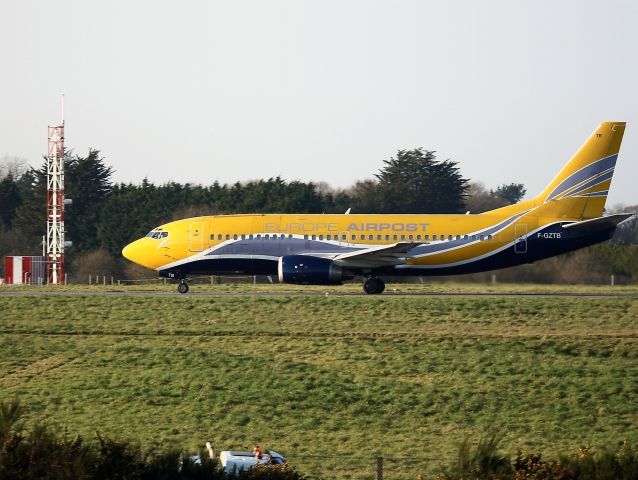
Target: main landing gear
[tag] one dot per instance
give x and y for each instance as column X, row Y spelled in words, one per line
column 182, row 287
column 373, row 286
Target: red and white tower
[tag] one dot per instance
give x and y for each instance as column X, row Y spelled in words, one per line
column 55, row 204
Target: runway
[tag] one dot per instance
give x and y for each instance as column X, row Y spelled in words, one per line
column 146, row 293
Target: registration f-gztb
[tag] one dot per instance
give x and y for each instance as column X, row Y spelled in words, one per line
column 327, row 249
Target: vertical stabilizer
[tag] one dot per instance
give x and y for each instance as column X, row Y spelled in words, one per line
column 580, row 189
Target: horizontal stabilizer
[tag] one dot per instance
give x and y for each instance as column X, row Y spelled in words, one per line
column 600, row 223
column 379, row 256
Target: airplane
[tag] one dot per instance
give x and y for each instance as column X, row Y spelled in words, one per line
column 326, row 249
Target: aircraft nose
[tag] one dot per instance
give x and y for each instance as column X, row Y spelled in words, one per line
column 135, row 252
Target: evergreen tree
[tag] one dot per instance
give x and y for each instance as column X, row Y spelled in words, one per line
column 88, row 184
column 512, row 193
column 416, row 182
column 30, row 217
column 9, row 201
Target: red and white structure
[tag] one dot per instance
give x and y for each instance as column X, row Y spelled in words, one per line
column 25, row 270
column 55, row 205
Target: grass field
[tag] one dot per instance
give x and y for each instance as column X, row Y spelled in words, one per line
column 330, row 381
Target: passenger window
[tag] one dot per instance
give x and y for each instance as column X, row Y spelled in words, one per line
column 235, row 236
column 378, row 237
column 427, row 237
column 418, row 237
column 395, row 237
column 411, row 237
column 473, row 237
column 402, row 237
column 489, row 237
column 354, row 237
column 314, row 237
column 219, row 236
column 266, row 236
column 289, row 237
column 164, row 234
column 370, row 237
column 243, row 237
column 328, row 237
column 482, row 237
column 344, row 237
column 259, row 235
column 465, row 237
column 387, row 237
column 212, row 236
column 321, row 237
column 434, row 238
column 363, row 237
column 305, row 237
column 228, row 236
column 450, row 237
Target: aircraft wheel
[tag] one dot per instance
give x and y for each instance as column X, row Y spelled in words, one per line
column 182, row 287
column 373, row 286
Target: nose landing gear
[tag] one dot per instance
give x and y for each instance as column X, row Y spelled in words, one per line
column 373, row 286
column 182, row 287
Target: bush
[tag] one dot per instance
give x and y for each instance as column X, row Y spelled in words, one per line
column 271, row 472
column 485, row 462
column 482, row 462
column 43, row 453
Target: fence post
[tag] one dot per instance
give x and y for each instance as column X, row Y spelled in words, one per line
column 89, row 279
column 493, row 279
column 379, row 468
column 611, row 280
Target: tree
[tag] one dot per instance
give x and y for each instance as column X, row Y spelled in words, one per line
column 416, row 182
column 88, row 184
column 480, row 200
column 30, row 216
column 512, row 193
column 14, row 166
column 9, row 201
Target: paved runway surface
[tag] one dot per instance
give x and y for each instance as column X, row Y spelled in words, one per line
column 143, row 293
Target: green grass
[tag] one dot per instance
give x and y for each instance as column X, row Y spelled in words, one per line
column 342, row 376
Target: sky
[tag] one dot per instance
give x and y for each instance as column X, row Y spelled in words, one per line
column 205, row 90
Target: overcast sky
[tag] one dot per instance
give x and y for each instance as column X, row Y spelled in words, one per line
column 197, row 91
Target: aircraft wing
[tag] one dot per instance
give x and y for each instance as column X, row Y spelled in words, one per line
column 379, row 256
column 600, row 223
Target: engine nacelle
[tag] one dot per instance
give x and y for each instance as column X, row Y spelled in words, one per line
column 307, row 270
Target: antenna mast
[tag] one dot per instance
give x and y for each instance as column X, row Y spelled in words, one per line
column 55, row 203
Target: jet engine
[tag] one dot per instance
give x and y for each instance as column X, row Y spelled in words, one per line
column 307, row 270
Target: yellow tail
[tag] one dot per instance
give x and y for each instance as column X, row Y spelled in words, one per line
column 579, row 191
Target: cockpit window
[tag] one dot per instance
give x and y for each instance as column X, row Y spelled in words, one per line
column 157, row 235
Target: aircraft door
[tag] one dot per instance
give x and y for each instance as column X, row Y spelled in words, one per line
column 520, row 235
column 197, row 237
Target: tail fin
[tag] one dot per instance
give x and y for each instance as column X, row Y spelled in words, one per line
column 579, row 191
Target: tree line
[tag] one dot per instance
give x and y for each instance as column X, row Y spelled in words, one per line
column 105, row 215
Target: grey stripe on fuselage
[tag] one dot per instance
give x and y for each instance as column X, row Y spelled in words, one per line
column 282, row 246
